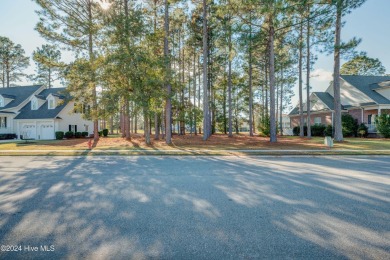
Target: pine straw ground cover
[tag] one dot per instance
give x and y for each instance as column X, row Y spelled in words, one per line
column 192, row 142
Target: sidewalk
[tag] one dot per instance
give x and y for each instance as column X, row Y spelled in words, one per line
column 191, row 152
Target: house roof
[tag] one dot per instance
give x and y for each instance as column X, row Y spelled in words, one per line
column 8, row 96
column 366, row 84
column 19, row 94
column 40, row 97
column 325, row 97
column 43, row 112
column 380, row 85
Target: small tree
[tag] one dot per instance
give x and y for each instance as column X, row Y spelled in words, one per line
column 362, row 130
column 349, row 125
column 383, row 125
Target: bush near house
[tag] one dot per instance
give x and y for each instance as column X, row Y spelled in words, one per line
column 362, row 130
column 69, row 134
column 383, row 125
column 349, row 125
column 296, row 130
column 77, row 134
column 328, row 130
column 59, row 135
column 105, row 132
column 318, row 130
column 84, row 134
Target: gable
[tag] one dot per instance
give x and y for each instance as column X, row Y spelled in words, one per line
column 350, row 95
column 18, row 96
column 43, row 112
column 359, row 90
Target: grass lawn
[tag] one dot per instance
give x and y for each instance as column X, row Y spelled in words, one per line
column 192, row 142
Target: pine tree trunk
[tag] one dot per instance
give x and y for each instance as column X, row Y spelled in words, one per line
column 127, row 119
column 94, row 94
column 281, row 102
column 156, row 126
column 168, row 104
column 230, row 81
column 194, row 77
column 273, row 137
column 301, row 119
column 308, row 103
column 338, row 133
column 146, row 126
column 206, row 112
column 250, row 78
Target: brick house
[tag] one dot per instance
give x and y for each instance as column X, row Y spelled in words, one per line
column 363, row 97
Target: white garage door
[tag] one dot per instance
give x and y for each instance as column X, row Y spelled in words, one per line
column 29, row 131
column 46, row 131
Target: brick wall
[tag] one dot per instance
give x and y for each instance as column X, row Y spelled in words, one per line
column 357, row 114
column 326, row 119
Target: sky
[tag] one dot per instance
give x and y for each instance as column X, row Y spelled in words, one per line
column 370, row 22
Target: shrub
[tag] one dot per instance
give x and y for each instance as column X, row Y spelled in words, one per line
column 349, row 125
column 69, row 134
column 362, row 130
column 265, row 126
column 77, row 134
column 84, row 134
column 328, row 130
column 100, row 133
column 383, row 125
column 105, row 132
column 318, row 130
column 59, row 135
column 297, row 129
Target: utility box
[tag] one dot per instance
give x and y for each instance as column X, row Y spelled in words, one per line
column 328, row 141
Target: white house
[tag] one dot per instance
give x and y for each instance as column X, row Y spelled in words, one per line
column 37, row 113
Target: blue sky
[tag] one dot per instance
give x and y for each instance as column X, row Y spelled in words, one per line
column 369, row 22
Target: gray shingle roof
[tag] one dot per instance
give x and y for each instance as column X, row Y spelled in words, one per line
column 8, row 96
column 43, row 112
column 19, row 94
column 325, row 97
column 365, row 83
column 295, row 111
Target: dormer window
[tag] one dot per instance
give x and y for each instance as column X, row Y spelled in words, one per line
column 1, row 101
column 51, row 103
column 34, row 104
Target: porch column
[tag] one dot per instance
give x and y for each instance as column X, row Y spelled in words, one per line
column 332, row 119
column 362, row 116
column 379, row 111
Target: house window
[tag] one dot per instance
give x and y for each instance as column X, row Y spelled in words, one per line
column 3, row 122
column 317, row 120
column 1, row 102
column 86, row 109
column 51, row 104
column 34, row 104
column 73, row 128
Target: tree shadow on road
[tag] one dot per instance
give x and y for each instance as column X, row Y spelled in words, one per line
column 193, row 207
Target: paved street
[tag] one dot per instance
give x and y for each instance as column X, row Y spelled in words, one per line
column 142, row 207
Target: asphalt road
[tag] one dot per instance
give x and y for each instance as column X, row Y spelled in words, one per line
column 151, row 207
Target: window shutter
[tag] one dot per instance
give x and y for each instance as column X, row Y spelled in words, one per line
column 75, row 128
column 5, row 122
column 70, row 128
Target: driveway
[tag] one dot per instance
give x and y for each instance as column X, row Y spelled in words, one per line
column 151, row 207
